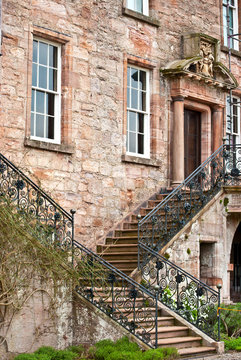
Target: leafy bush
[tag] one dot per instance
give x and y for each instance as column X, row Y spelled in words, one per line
column 160, row 354
column 32, row 357
column 123, row 349
column 48, row 353
column 230, row 320
column 124, row 355
column 124, row 344
column 232, row 344
column 78, row 349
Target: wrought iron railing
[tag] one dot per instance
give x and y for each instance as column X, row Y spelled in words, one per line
column 127, row 302
column 161, row 224
column 130, row 304
column 189, row 297
column 32, row 200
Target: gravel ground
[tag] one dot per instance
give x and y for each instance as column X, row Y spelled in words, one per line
column 226, row 356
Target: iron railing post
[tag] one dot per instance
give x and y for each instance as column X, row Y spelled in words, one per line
column 139, row 217
column 72, row 211
column 219, row 286
column 156, row 316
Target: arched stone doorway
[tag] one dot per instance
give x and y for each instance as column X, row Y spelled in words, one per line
column 235, row 259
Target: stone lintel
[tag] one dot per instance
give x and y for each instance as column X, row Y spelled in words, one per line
column 208, row 239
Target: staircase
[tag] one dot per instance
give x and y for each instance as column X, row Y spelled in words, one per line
column 121, row 249
column 155, row 310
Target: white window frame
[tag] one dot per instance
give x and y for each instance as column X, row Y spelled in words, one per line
column 234, row 8
column 231, row 131
column 146, row 114
column 57, row 98
column 132, row 5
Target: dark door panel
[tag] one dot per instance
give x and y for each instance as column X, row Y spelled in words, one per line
column 192, row 140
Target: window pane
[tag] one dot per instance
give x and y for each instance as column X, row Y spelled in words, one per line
column 139, row 6
column 142, row 101
column 52, row 79
column 134, row 99
column 33, row 100
column 134, row 78
column 43, row 77
column 32, row 124
column 142, row 84
column 141, row 123
column 132, row 142
column 50, row 104
column 35, row 51
column 128, row 76
column 131, row 4
column 39, row 125
column 235, row 125
column 50, row 127
column 140, row 144
column 43, row 53
column 132, row 121
column 34, row 74
column 128, row 97
column 53, row 56
column 40, row 102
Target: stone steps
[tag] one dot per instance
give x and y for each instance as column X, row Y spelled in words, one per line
column 121, row 250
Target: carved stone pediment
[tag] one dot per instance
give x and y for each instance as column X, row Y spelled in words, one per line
column 201, row 62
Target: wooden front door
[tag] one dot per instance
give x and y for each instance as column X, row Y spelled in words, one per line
column 192, row 141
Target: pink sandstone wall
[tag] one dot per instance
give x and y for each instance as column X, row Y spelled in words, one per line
column 88, row 172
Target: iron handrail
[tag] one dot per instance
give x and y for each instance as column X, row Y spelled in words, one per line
column 161, row 224
column 178, row 268
column 184, row 294
column 3, row 159
column 179, row 187
column 116, row 294
column 125, row 301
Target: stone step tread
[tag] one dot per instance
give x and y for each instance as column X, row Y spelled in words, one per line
column 123, row 260
column 119, row 246
column 195, row 350
column 164, row 329
column 121, row 237
column 176, row 340
column 120, row 253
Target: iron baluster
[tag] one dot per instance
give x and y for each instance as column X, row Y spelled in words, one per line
column 72, row 211
column 219, row 286
column 156, row 316
column 192, row 300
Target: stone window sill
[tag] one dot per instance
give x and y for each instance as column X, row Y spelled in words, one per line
column 140, row 161
column 61, row 148
column 233, row 52
column 141, row 17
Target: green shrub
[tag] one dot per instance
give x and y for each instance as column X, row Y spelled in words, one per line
column 104, row 342
column 232, row 344
column 48, row 350
column 102, row 352
column 54, row 354
column 78, row 349
column 32, row 357
column 160, row 354
column 230, row 321
column 124, row 344
column 124, row 355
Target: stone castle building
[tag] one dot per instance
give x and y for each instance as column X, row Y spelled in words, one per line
column 104, row 103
